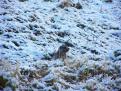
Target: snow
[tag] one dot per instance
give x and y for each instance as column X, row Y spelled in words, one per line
column 29, row 33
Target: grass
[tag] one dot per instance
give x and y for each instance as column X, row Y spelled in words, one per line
column 75, row 71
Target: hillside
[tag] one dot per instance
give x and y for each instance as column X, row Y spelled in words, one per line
column 32, row 30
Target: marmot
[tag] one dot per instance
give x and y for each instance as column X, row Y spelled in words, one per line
column 66, row 3
column 61, row 52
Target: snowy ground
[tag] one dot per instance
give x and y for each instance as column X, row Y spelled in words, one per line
column 31, row 30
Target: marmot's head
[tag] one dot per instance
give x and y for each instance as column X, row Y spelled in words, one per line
column 65, row 48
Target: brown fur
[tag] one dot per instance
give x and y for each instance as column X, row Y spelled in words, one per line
column 66, row 3
column 61, row 53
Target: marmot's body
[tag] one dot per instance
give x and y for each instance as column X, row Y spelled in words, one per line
column 78, row 6
column 66, row 3
column 61, row 53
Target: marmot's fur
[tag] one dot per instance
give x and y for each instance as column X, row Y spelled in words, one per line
column 66, row 3
column 61, row 52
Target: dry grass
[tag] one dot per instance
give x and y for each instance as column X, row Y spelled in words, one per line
column 75, row 71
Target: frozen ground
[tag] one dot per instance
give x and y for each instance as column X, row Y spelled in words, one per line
column 30, row 31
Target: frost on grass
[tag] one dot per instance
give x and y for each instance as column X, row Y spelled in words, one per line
column 94, row 75
column 30, row 31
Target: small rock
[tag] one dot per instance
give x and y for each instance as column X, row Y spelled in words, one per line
column 108, row 1
column 117, row 53
column 94, row 51
column 42, row 27
column 8, row 36
column 37, row 33
column 23, row 0
column 4, row 13
column 5, row 46
column 62, row 34
column 81, row 25
column 114, row 28
column 32, row 18
column 48, row 0
column 78, row 6
column 69, row 44
column 33, row 38
column 56, row 27
column 1, row 32
column 16, row 43
column 52, row 20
